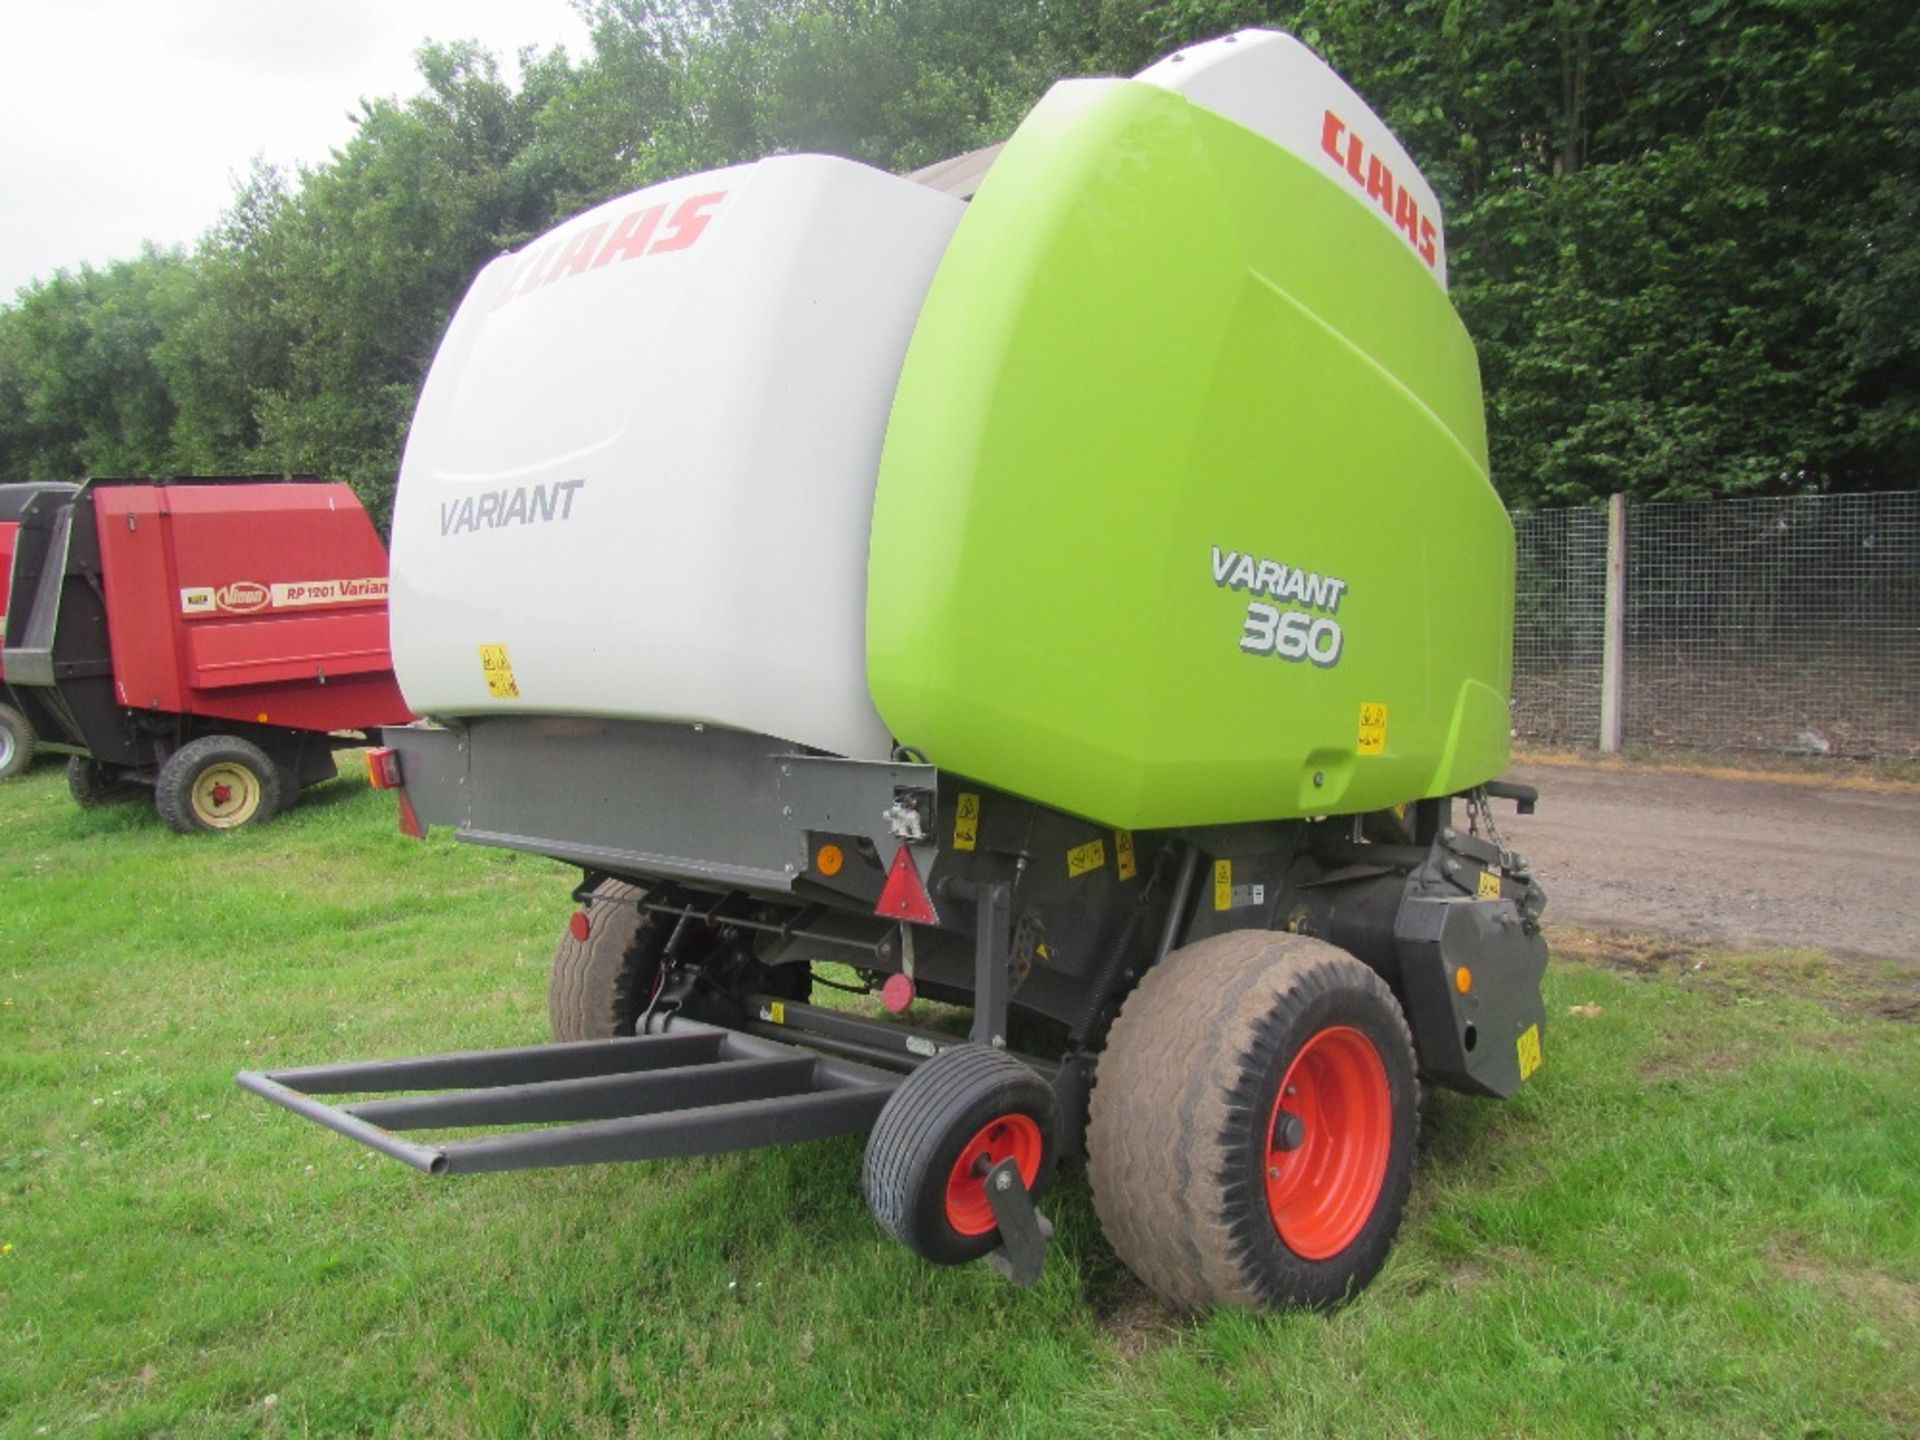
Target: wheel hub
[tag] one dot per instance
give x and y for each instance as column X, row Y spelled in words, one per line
column 225, row 795
column 1014, row 1135
column 1327, row 1143
column 1289, row 1131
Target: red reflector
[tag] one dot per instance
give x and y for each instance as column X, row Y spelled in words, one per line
column 410, row 818
column 897, row 994
column 905, row 897
column 579, row 926
column 383, row 769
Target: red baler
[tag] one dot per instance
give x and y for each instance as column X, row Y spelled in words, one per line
column 212, row 639
column 17, row 740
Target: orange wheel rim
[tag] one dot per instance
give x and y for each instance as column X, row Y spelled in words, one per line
column 1016, row 1136
column 1327, row 1143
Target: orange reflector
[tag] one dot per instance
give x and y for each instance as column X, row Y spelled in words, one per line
column 579, row 926
column 829, row 859
column 905, row 896
column 383, row 768
column 1463, row 980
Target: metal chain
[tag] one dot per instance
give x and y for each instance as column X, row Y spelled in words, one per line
column 1480, row 812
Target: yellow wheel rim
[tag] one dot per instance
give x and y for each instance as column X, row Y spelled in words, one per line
column 225, row 795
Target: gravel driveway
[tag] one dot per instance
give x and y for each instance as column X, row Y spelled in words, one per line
column 1729, row 861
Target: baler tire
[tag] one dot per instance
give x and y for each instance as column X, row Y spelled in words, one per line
column 17, row 742
column 599, row 986
column 216, row 761
column 1183, row 1154
column 93, row 782
column 964, row 1105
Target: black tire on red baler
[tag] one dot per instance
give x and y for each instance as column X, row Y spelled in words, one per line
column 174, row 791
column 17, row 742
column 92, row 783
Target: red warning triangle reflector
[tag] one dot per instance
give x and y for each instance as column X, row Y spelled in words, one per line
column 905, row 897
column 410, row 821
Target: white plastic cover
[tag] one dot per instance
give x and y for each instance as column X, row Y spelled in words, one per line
column 1277, row 87
column 640, row 478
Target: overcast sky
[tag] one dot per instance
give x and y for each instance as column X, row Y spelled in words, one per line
column 128, row 120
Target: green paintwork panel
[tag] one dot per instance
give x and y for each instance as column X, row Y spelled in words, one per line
column 1154, row 334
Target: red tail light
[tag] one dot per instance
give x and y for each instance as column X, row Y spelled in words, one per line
column 905, row 895
column 383, row 768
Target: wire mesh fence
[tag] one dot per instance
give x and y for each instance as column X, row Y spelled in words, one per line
column 1559, row 612
column 1782, row 624
column 1787, row 624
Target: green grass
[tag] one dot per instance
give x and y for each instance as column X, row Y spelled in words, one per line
column 1703, row 1218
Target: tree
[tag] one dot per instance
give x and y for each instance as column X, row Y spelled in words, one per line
column 79, row 390
column 1685, row 238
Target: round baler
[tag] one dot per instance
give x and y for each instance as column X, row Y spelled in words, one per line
column 19, row 741
column 1057, row 596
column 207, row 642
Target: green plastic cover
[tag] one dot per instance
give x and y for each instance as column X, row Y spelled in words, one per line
column 1183, row 516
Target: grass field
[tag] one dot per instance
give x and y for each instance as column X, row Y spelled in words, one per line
column 1702, row 1219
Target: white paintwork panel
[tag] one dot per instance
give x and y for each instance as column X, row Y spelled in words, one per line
column 642, row 466
column 1275, row 86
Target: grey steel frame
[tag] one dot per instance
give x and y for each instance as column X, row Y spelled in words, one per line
column 695, row 1090
column 703, row 813
column 711, row 807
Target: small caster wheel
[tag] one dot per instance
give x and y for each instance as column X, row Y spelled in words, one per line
column 941, row 1135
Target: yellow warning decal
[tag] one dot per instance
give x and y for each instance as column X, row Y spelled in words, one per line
column 966, row 821
column 776, row 1013
column 1123, row 853
column 1373, row 728
column 1528, row 1048
column 1489, row 885
column 1082, row 858
column 498, row 669
column 1223, row 884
